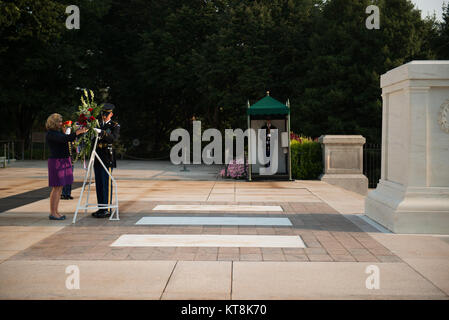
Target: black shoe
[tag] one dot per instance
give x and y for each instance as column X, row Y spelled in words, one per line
column 69, row 198
column 104, row 214
column 96, row 213
column 63, row 197
column 56, row 218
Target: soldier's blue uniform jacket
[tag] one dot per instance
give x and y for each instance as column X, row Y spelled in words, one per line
column 110, row 133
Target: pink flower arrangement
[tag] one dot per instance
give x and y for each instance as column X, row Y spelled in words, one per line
column 236, row 169
column 301, row 139
column 297, row 137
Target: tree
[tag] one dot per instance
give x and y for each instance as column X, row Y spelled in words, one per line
column 342, row 94
column 165, row 62
column 441, row 39
column 29, row 84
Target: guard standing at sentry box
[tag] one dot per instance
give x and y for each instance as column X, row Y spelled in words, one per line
column 109, row 133
column 268, row 127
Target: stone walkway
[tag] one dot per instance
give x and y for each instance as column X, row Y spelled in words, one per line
column 339, row 243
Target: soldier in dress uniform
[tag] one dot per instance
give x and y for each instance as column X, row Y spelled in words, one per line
column 110, row 132
column 268, row 127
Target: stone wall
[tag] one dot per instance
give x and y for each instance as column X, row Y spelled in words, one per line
column 343, row 162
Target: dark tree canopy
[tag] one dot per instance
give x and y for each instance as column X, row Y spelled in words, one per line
column 163, row 62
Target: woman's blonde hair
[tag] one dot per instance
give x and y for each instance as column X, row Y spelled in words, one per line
column 53, row 122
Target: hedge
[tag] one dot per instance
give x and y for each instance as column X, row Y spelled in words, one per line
column 307, row 159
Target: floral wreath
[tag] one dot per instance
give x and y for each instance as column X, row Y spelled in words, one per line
column 87, row 116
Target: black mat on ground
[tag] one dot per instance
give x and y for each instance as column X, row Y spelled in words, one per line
column 22, row 199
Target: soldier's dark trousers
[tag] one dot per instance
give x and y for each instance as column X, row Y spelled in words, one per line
column 103, row 184
column 67, row 189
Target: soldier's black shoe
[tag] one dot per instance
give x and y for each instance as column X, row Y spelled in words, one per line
column 103, row 214
column 96, row 213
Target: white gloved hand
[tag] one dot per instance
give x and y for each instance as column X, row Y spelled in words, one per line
column 68, row 130
column 97, row 130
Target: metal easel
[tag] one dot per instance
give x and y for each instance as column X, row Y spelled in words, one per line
column 88, row 177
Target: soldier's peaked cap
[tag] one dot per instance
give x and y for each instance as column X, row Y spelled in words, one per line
column 108, row 107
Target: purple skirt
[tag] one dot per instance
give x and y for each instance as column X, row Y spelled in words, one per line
column 59, row 172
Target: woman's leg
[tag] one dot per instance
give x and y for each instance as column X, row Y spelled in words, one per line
column 54, row 200
column 58, row 197
column 53, row 195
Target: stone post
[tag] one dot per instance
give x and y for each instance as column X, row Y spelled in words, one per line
column 343, row 162
column 413, row 193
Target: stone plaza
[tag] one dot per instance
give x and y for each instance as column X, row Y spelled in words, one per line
column 339, row 241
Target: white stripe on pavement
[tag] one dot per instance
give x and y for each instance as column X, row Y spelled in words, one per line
column 222, row 208
column 215, row 221
column 203, row 240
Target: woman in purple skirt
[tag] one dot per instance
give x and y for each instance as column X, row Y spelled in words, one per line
column 59, row 164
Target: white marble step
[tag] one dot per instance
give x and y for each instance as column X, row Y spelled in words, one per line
column 204, row 240
column 216, row 221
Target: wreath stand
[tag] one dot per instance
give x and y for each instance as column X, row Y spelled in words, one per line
column 88, row 180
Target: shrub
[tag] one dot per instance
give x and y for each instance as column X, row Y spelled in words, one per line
column 307, row 159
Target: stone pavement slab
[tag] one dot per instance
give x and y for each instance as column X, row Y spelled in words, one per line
column 200, row 280
column 20, row 238
column 428, row 255
column 98, row 279
column 344, row 201
column 5, row 254
column 327, row 280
